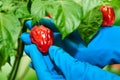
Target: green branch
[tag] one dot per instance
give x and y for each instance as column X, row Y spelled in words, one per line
column 19, row 55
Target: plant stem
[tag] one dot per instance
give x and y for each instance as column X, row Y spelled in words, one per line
column 18, row 57
column 17, row 61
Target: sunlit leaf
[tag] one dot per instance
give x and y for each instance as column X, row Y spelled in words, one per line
column 21, row 11
column 66, row 13
column 9, row 32
column 88, row 5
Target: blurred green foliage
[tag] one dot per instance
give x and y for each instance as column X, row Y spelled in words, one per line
column 24, row 71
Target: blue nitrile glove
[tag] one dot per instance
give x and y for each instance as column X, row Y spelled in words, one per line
column 104, row 49
column 42, row 64
column 59, row 65
column 44, row 67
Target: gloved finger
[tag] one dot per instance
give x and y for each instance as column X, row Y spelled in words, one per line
column 55, row 75
column 50, row 66
column 73, row 69
column 25, row 37
column 48, row 22
column 64, row 62
column 38, row 62
column 28, row 24
column 48, row 62
column 42, row 64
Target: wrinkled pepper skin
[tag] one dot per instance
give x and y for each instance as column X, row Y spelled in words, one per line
column 42, row 37
column 108, row 15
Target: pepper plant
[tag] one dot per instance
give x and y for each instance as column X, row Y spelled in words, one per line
column 68, row 15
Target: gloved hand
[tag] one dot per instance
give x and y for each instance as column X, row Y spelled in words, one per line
column 104, row 49
column 63, row 65
column 59, row 65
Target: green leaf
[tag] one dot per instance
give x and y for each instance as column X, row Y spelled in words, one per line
column 68, row 18
column 88, row 5
column 8, row 6
column 114, row 3
column 92, row 19
column 66, row 14
column 117, row 17
column 9, row 32
column 39, row 9
column 1, row 3
column 21, row 11
column 90, row 25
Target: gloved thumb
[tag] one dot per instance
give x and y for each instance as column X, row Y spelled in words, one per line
column 74, row 69
column 38, row 62
column 65, row 63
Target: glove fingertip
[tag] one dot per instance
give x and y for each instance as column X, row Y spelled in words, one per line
column 25, row 37
column 28, row 24
column 55, row 51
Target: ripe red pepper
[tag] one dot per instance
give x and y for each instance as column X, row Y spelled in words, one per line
column 108, row 15
column 42, row 37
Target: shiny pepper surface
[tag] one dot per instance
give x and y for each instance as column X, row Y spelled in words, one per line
column 108, row 15
column 42, row 37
